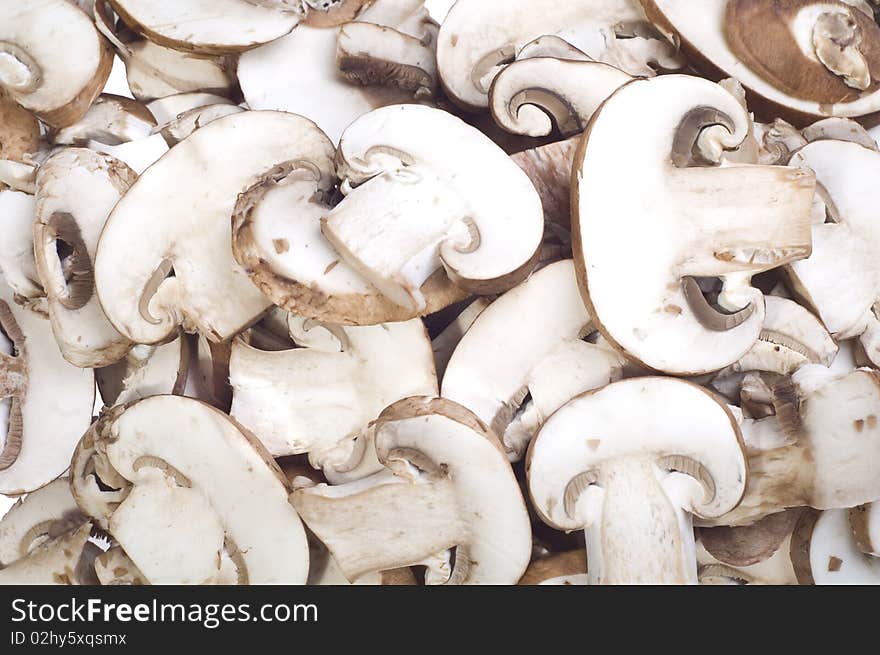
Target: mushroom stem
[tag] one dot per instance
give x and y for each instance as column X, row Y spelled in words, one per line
column 18, row 70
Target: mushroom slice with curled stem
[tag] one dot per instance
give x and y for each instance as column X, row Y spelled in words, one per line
column 631, row 485
column 76, row 189
column 504, row 353
column 53, row 62
column 569, row 568
column 209, row 26
column 413, row 206
column 46, row 402
column 865, row 523
column 175, row 505
column 17, row 264
column 819, row 449
column 549, row 169
column 111, row 120
column 189, row 121
column 446, row 485
column 50, row 563
column 531, row 96
column 19, row 130
column 839, row 129
column 276, row 237
column 687, row 222
column 800, row 59
column 180, row 270
column 319, row 399
column 114, row 567
column 825, row 553
column 479, row 37
column 169, row 108
column 145, row 371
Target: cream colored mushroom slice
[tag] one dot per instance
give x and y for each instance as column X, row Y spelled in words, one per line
column 145, row 371
column 53, row 62
column 839, row 129
column 189, row 121
column 447, row 484
column 818, row 450
column 112, row 120
column 479, row 37
column 180, row 270
column 841, row 279
column 176, row 504
column 154, row 71
column 865, row 523
column 167, row 109
column 319, row 398
column 445, row 343
column 549, row 169
column 323, row 571
column 76, row 190
column 19, row 130
column 686, row 222
column 827, row 554
column 209, row 26
column 414, row 206
column 531, row 96
column 138, row 155
column 50, row 563
column 17, row 264
column 276, row 237
column 632, row 485
column 515, row 344
column 568, row 568
column 114, row 567
column 802, row 60
column 46, row 402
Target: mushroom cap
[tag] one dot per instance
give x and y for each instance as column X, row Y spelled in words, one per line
column 666, row 419
column 209, row 292
column 54, row 62
column 207, row 26
column 684, row 222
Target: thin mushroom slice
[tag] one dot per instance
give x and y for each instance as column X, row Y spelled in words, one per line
column 169, row 108
column 568, row 568
column 114, row 567
column 549, row 169
column 111, row 120
column 632, row 485
column 217, row 488
column 839, row 129
column 323, row 570
column 319, row 400
column 825, row 553
column 800, row 59
column 53, row 62
column 445, row 343
column 138, row 155
column 865, row 523
column 447, row 484
column 189, row 121
column 51, row 563
column 47, row 403
column 180, row 271
column 531, row 96
column 76, row 190
column 17, row 264
column 146, row 371
column 686, row 223
column 209, row 26
column 414, row 206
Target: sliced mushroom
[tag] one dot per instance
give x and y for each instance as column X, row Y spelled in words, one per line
column 138, row 155
column 17, row 264
column 50, row 563
column 47, row 403
column 819, row 449
column 801, row 59
column 179, row 270
column 111, row 120
column 146, row 371
column 549, row 169
column 189, row 121
column 416, row 206
column 318, row 399
column 53, row 62
column 865, row 523
column 631, row 484
column 114, row 567
column 825, row 553
column 168, row 109
column 209, row 26
column 775, row 568
column 569, row 568
column 447, row 485
column 445, row 343
column 76, row 190
column 685, row 223
column 839, row 129
column 176, row 505
column 19, row 130
column 323, row 570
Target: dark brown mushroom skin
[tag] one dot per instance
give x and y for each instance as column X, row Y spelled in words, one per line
column 750, row 544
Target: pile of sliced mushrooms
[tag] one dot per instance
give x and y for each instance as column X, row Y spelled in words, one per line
column 403, row 292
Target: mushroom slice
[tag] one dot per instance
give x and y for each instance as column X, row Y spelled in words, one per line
column 447, row 484
column 76, row 189
column 114, row 567
column 167, row 109
column 445, row 343
column 145, row 371
column 323, row 570
column 841, row 279
column 631, row 484
column 568, row 568
column 825, row 553
column 19, row 130
column 819, row 450
column 549, row 169
column 53, row 562
column 839, row 129
column 416, row 205
column 865, row 523
column 154, row 71
column 189, row 121
column 530, row 96
column 319, row 400
column 180, row 270
column 209, row 26
column 685, row 223
column 111, row 120
column 748, row 545
column 516, row 342
column 47, row 403
column 802, row 59
column 276, row 237
column 138, row 155
column 332, row 13
column 17, row 264
column 175, row 504
column 479, row 37
column 53, row 62
column 775, row 569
